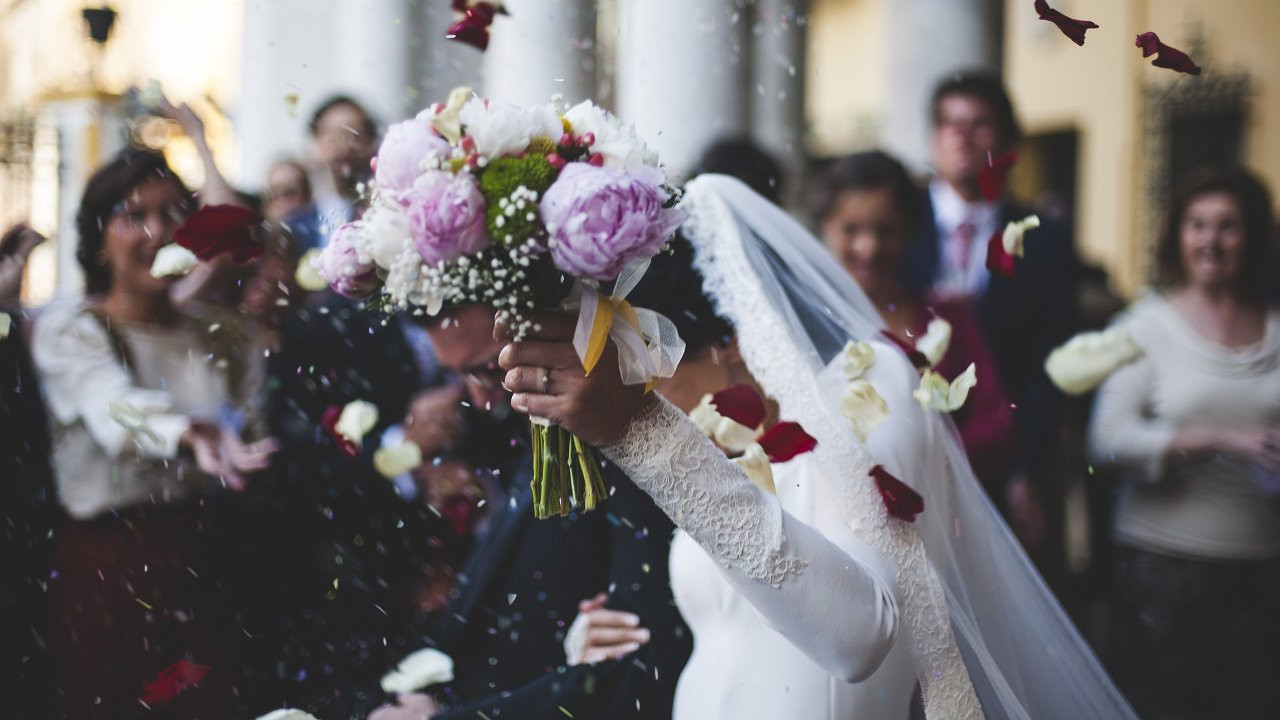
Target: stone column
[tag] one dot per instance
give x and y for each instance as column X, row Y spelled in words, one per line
column 545, row 48
column 682, row 74
column 777, row 93
column 927, row 39
column 440, row 64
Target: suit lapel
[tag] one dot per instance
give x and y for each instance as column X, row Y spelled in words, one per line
column 487, row 559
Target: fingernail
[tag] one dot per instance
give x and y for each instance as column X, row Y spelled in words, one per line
column 641, row 635
column 633, row 620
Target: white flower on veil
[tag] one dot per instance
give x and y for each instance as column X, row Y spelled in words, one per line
column 935, row 393
column 864, row 408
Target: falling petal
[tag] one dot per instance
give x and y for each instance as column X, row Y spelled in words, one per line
column 786, row 440
column 220, row 229
column 742, row 404
column 899, row 499
column 1072, row 28
column 1167, row 57
column 172, row 681
column 991, row 179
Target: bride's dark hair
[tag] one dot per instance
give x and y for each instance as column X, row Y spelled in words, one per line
column 674, row 288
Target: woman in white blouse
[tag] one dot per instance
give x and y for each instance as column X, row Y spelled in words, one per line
column 1193, row 430
column 147, row 403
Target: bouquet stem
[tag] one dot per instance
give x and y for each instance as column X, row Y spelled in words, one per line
column 566, row 473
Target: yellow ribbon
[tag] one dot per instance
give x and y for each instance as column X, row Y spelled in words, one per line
column 608, row 310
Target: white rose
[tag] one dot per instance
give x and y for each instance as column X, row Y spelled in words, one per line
column 307, row 275
column 935, row 393
column 858, row 359
column 755, row 463
column 498, row 128
column 1089, row 358
column 935, row 340
column 173, row 260
column 1014, row 233
column 619, row 144
column 6, row 323
column 421, row 669
column 385, row 235
column 356, row 420
column 396, row 460
column 287, row 714
column 863, row 407
column 544, row 122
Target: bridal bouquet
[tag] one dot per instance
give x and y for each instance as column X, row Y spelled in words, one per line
column 522, row 209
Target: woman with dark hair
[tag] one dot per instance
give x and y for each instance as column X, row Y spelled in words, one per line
column 1194, row 428
column 867, row 215
column 148, row 405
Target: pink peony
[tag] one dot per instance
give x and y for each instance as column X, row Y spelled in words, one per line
column 446, row 216
column 601, row 219
column 404, row 149
column 339, row 264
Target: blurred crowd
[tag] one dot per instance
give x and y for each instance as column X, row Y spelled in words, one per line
column 168, row 483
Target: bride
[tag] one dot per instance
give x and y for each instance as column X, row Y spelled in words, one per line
column 814, row 602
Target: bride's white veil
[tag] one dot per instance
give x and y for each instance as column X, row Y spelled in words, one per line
column 977, row 597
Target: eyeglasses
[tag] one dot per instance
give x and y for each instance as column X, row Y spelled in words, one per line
column 135, row 217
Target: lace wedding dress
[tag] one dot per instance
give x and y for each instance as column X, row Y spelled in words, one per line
column 814, row 603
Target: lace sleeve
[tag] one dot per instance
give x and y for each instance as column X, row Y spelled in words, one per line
column 762, row 548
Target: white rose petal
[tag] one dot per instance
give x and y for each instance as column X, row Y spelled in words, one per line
column 173, row 260
column 1089, row 358
column 935, row 340
column 755, row 463
column 6, row 323
column 356, row 420
column 497, row 127
column 446, row 121
column 734, row 436
column 1014, row 232
column 287, row 714
column 863, row 407
column 935, row 393
column 421, row 669
column 307, row 275
column 705, row 416
column 858, row 359
column 396, row 460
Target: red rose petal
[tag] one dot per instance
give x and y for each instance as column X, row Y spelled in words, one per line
column 916, row 357
column 900, row 500
column 172, row 681
column 1166, row 56
column 329, row 421
column 991, row 179
column 786, row 440
column 999, row 261
column 220, row 229
column 741, row 404
column 1070, row 27
column 473, row 28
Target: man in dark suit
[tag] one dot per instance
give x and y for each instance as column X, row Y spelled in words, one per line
column 1023, row 317
column 520, row 590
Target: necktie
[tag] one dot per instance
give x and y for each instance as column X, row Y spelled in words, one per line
column 959, row 247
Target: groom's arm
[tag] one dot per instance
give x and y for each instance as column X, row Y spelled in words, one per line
column 641, row 684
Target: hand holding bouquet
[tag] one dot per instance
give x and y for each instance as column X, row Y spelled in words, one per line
column 523, row 209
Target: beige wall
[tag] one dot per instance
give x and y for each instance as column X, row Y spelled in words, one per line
column 846, row 71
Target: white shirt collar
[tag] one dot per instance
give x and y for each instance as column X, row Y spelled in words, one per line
column 949, row 209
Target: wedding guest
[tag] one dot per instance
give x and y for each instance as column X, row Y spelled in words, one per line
column 520, row 589
column 344, row 138
column 288, row 190
column 1022, row 317
column 144, row 401
column 867, row 214
column 747, row 161
column 1193, row 428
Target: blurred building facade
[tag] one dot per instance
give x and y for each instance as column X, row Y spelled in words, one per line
column 807, row 79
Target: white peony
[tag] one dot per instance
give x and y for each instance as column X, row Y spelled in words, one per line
column 858, row 359
column 935, row 340
column 385, row 235
column 356, row 420
column 421, row 669
column 755, row 463
column 497, row 127
column 287, row 714
column 544, row 122
column 173, row 260
column 1014, row 233
column 307, row 276
column 935, row 393
column 619, row 144
column 1089, row 358
column 864, row 408
column 396, row 460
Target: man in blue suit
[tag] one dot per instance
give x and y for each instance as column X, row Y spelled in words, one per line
column 1022, row 317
